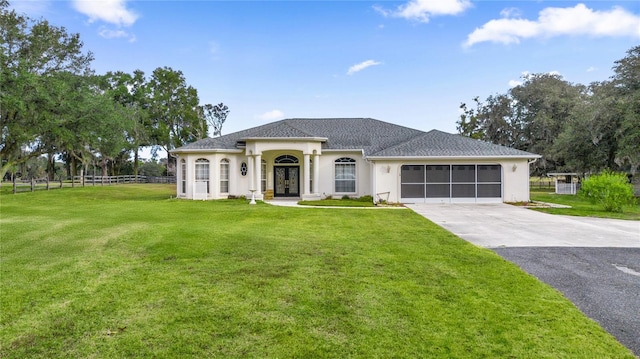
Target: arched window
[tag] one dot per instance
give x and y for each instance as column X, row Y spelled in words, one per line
column 286, row 159
column 183, row 176
column 202, row 172
column 345, row 175
column 263, row 176
column 224, row 176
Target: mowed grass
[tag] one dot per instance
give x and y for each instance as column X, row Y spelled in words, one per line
column 581, row 206
column 125, row 271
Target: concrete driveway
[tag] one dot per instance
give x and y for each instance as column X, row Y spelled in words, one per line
column 594, row 262
column 503, row 225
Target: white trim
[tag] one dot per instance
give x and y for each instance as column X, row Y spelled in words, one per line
column 343, row 151
column 429, row 158
column 206, row 151
column 285, row 139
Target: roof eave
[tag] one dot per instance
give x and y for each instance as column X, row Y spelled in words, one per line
column 467, row 157
column 205, row 150
column 284, row 139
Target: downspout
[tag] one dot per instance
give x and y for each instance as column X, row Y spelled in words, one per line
column 529, row 163
column 372, row 175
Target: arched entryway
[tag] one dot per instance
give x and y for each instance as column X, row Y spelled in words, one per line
column 286, row 176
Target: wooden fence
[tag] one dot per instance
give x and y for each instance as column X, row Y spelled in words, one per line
column 542, row 185
column 82, row 181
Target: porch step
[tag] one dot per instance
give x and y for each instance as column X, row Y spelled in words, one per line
column 268, row 194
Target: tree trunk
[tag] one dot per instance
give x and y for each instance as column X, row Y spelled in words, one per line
column 103, row 165
column 51, row 166
column 135, row 163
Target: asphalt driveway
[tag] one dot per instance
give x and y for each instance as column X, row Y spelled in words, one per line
column 594, row 262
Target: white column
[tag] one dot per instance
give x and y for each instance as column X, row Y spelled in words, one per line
column 316, row 173
column 250, row 170
column 258, row 174
column 307, row 175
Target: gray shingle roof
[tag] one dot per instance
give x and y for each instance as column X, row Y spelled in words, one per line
column 376, row 138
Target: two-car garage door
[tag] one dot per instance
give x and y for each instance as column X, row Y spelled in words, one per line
column 451, row 183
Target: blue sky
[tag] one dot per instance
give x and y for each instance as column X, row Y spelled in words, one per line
column 407, row 62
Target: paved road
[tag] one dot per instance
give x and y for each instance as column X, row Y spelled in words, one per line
column 604, row 283
column 594, row 262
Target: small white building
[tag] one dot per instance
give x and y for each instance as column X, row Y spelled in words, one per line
column 565, row 183
column 315, row 158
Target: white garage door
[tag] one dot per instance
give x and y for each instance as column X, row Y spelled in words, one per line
column 451, row 183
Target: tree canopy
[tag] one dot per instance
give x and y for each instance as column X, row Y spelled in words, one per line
column 575, row 128
column 52, row 102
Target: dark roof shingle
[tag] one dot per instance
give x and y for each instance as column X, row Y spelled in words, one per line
column 374, row 137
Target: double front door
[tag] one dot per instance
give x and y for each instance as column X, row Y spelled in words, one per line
column 287, row 181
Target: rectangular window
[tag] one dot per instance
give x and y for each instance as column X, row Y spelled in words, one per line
column 412, row 174
column 224, row 176
column 463, row 174
column 490, row 173
column 183, row 176
column 345, row 180
column 463, row 178
column 412, row 181
column 202, row 172
column 438, row 178
column 489, row 190
column 437, row 190
column 489, row 181
column 463, row 190
column 438, row 174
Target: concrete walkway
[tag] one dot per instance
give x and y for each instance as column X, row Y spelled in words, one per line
column 503, row 225
column 294, row 203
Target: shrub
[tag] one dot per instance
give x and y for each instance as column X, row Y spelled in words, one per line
column 365, row 199
column 346, row 197
column 610, row 190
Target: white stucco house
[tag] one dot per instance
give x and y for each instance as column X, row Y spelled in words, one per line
column 315, row 158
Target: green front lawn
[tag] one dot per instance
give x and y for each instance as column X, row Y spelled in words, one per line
column 581, row 206
column 124, row 271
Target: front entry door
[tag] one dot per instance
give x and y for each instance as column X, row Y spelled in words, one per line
column 286, row 181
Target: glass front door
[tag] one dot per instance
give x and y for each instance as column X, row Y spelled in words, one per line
column 286, row 180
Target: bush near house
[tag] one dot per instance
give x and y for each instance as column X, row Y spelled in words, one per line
column 611, row 190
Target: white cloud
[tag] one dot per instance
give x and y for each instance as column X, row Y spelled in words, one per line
column 114, row 34
column 514, row 83
column 553, row 21
column 271, row 115
column 592, row 69
column 510, row 12
column 110, row 11
column 361, row 66
column 422, row 10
